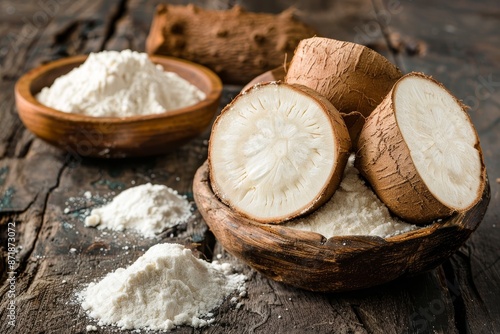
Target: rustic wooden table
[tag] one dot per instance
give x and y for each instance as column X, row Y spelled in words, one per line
column 42, row 188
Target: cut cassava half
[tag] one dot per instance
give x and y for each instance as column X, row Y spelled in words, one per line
column 420, row 152
column 277, row 151
column 352, row 76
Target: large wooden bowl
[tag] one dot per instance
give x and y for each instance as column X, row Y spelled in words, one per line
column 310, row 261
column 113, row 136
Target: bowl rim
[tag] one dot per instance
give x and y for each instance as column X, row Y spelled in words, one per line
column 22, row 91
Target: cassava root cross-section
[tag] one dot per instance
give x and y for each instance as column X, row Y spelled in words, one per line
column 277, row 151
column 421, row 153
column 352, row 76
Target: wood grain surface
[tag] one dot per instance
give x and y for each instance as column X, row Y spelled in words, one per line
column 42, row 188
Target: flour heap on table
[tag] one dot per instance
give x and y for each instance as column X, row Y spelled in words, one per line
column 164, row 288
column 148, row 209
column 119, row 84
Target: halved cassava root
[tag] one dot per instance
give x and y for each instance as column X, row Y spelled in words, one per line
column 352, row 76
column 277, row 151
column 421, row 153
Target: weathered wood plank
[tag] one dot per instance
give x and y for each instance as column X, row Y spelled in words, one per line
column 460, row 54
column 465, row 293
column 403, row 306
column 33, row 168
column 41, row 300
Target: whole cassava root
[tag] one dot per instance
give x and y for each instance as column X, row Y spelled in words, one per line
column 236, row 44
column 352, row 76
column 421, row 153
column 277, row 151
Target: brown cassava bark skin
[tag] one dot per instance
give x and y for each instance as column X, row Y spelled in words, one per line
column 352, row 76
column 383, row 158
column 354, row 122
column 236, row 44
column 342, row 147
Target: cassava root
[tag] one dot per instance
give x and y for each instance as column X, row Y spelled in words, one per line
column 352, row 76
column 236, row 44
column 277, row 151
column 421, row 153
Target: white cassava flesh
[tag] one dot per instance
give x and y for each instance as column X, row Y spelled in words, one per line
column 277, row 151
column 352, row 76
column 421, row 153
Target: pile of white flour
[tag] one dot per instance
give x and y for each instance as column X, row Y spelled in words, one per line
column 148, row 209
column 119, row 84
column 164, row 288
column 354, row 209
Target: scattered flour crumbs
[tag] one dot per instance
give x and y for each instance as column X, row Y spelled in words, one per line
column 164, row 288
column 353, row 210
column 119, row 84
column 148, row 209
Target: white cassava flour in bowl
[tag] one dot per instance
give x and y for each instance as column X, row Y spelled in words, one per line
column 164, row 288
column 119, row 84
column 147, row 209
column 354, row 209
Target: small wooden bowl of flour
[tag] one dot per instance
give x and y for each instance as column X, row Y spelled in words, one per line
column 311, row 261
column 117, row 136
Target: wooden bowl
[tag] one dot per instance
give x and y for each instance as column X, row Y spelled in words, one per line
column 113, row 136
column 310, row 261
column 277, row 74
